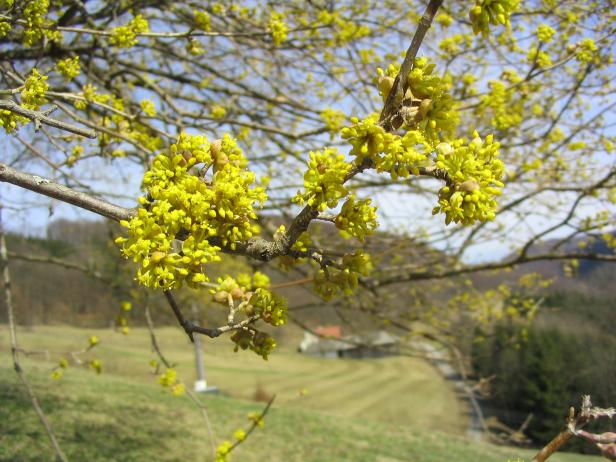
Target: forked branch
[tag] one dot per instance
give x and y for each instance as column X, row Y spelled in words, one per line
column 42, row 117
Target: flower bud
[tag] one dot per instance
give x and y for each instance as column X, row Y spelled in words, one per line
column 221, row 297
column 186, row 154
column 250, row 310
column 444, row 149
column 261, row 339
column 157, row 256
column 385, row 84
column 215, row 148
column 237, row 293
column 468, row 186
column 474, row 13
column 220, row 162
column 242, row 338
column 424, row 107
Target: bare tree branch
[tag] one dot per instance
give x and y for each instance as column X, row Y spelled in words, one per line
column 400, row 83
column 575, row 421
column 42, row 117
column 57, row 191
column 57, row 261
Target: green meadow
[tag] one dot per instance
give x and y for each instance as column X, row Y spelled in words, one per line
column 378, row 410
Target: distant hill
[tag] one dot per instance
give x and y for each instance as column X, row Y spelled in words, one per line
column 49, row 293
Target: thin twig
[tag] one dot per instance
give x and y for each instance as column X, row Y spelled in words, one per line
column 195, row 399
column 57, row 261
column 255, row 423
column 190, row 327
column 153, row 341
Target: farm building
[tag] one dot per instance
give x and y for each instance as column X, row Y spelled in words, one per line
column 328, row 342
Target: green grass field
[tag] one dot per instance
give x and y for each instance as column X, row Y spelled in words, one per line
column 393, row 409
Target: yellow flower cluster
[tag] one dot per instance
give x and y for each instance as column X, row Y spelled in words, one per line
column 431, row 105
column 271, row 307
column 239, row 434
column 278, row 28
column 507, row 109
column 96, row 365
column 218, row 112
column 240, row 288
column 203, row 20
column 333, row 119
column 33, row 94
column 486, row 12
column 545, row 33
column 254, row 299
column 126, row 36
column 259, row 342
column 34, row 14
column 427, row 104
column 75, row 155
column 357, row 218
column 451, row 45
column 148, row 107
column 69, row 67
column 444, row 20
column 324, row 179
column 539, row 57
column 89, row 94
column 385, row 79
column 181, row 201
column 222, row 451
column 586, row 51
column 389, row 152
column 169, row 379
column 5, row 28
column 58, row 371
column 257, row 280
column 32, row 97
column 344, row 30
column 475, row 172
column 257, row 419
column 333, row 282
column 9, row 120
column 194, row 47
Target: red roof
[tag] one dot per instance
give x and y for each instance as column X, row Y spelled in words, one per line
column 329, row 331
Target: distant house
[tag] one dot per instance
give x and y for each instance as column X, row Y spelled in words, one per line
column 328, row 342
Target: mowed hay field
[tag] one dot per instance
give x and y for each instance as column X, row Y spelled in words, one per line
column 394, row 409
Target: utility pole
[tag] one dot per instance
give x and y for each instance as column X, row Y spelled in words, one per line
column 200, row 384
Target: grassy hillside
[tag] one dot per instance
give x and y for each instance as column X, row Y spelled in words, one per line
column 398, row 390
column 383, row 411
